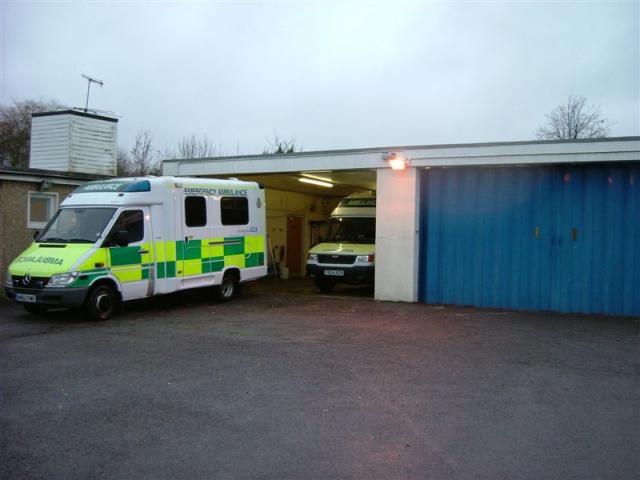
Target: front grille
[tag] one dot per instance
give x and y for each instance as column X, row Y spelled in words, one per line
column 337, row 259
column 35, row 283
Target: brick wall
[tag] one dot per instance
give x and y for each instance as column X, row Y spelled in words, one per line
column 15, row 236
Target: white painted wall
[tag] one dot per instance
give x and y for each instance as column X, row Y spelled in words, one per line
column 70, row 142
column 397, row 221
column 50, row 143
column 93, row 145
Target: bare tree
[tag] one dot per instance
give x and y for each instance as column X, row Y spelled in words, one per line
column 194, row 147
column 280, row 145
column 15, row 129
column 166, row 153
column 574, row 119
column 142, row 159
column 123, row 163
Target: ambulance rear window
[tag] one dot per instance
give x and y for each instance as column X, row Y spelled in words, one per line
column 234, row 210
column 195, row 211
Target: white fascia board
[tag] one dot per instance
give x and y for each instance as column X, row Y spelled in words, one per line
column 38, row 179
column 453, row 155
column 284, row 164
column 609, row 151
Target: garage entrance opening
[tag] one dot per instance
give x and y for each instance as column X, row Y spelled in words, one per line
column 298, row 211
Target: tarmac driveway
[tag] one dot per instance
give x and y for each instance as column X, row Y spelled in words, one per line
column 282, row 385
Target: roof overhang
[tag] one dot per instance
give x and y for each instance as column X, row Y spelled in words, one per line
column 620, row 149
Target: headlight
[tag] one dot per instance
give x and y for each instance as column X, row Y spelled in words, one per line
column 7, row 279
column 313, row 257
column 62, row 279
column 364, row 258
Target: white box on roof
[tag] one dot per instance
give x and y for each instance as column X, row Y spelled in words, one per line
column 74, row 141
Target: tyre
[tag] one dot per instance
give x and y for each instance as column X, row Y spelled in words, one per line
column 228, row 288
column 34, row 309
column 101, row 303
column 324, row 285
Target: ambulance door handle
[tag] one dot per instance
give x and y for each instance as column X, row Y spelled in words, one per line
column 143, row 251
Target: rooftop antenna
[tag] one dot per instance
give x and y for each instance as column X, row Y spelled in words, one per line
column 90, row 80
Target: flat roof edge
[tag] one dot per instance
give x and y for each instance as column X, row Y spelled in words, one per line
column 38, row 172
column 401, row 147
column 75, row 112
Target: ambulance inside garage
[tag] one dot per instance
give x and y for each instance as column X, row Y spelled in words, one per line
column 538, row 225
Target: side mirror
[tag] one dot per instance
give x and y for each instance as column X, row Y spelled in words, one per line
column 121, row 238
column 36, row 234
column 320, row 239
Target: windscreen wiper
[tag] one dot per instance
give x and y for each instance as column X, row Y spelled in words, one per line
column 79, row 240
column 53, row 240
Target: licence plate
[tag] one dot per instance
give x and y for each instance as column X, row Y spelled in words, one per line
column 334, row 273
column 23, row 297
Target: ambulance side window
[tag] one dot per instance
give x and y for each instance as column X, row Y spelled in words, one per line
column 195, row 211
column 133, row 222
column 234, row 210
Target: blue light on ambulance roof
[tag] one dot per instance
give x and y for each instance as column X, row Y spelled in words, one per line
column 114, row 186
column 140, row 186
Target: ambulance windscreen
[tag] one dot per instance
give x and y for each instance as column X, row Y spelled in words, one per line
column 76, row 225
column 352, row 230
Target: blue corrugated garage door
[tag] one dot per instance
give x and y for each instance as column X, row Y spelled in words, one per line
column 562, row 238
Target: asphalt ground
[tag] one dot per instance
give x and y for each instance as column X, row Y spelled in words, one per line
column 284, row 383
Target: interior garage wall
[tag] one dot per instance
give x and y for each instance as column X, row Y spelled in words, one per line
column 397, row 216
column 282, row 204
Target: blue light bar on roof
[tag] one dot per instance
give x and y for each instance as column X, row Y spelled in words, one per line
column 140, row 186
column 114, row 186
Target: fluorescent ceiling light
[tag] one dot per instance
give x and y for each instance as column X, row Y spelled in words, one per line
column 316, row 182
column 317, row 177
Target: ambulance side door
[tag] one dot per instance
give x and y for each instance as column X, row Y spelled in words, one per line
column 133, row 264
column 192, row 250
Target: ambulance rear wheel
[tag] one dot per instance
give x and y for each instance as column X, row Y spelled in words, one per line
column 34, row 309
column 101, row 303
column 228, row 288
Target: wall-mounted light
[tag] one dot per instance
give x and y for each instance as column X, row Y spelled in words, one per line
column 312, row 181
column 397, row 161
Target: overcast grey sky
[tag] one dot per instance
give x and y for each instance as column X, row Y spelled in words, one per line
column 331, row 74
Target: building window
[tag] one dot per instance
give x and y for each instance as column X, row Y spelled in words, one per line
column 41, row 208
column 195, row 211
column 234, row 210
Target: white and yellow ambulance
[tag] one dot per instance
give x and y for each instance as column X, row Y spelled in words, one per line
column 131, row 238
column 347, row 255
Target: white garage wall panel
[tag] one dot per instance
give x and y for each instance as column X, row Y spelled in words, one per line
column 397, row 237
column 75, row 142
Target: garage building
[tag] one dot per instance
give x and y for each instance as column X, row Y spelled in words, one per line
column 542, row 225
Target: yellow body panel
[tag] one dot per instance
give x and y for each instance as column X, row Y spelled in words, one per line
column 254, row 244
column 234, row 260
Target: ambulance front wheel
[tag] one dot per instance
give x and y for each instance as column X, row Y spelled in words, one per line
column 228, row 288
column 101, row 303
